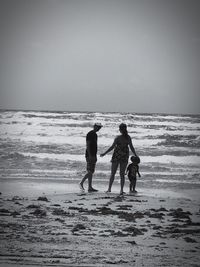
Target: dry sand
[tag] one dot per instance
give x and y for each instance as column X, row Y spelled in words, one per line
column 55, row 224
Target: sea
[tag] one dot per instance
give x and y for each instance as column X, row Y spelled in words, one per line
column 51, row 146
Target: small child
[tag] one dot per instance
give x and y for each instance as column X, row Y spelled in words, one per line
column 133, row 170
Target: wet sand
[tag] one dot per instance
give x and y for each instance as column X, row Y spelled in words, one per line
column 55, row 224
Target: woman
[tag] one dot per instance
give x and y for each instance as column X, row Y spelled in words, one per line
column 120, row 155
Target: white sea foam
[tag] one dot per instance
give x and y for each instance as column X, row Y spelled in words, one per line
column 29, row 138
column 62, row 157
column 177, row 181
column 170, row 160
column 167, row 159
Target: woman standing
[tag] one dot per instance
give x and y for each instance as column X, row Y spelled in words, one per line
column 120, row 155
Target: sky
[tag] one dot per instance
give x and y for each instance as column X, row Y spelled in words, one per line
column 100, row 55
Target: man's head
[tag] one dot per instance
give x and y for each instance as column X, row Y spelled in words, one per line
column 97, row 127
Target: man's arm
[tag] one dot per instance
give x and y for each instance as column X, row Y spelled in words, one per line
column 88, row 145
column 91, row 155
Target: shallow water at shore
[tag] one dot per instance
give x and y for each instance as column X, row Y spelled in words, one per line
column 34, row 188
column 51, row 145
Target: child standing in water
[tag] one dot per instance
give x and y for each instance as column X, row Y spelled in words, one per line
column 133, row 170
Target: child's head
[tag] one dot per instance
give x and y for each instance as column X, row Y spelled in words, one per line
column 135, row 160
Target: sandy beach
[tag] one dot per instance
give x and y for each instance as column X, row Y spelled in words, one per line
column 48, row 223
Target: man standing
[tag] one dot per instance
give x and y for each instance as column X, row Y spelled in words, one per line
column 91, row 156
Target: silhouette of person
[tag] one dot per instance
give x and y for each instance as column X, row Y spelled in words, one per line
column 91, row 156
column 133, row 170
column 120, row 155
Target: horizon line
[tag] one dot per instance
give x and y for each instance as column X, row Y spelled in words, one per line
column 89, row 111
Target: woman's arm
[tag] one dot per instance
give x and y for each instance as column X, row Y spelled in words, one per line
column 131, row 146
column 109, row 149
column 127, row 169
column 138, row 171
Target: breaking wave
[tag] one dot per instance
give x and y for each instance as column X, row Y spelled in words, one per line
column 52, row 144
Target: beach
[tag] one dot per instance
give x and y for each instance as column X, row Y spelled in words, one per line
column 46, row 220
column 94, row 95
column 56, row 224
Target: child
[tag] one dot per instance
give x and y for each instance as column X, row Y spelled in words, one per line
column 133, row 170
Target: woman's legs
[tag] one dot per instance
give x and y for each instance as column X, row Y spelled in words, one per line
column 114, row 167
column 122, row 175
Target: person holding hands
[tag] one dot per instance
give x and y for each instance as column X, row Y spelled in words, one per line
column 120, row 156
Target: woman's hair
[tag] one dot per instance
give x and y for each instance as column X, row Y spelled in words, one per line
column 123, row 129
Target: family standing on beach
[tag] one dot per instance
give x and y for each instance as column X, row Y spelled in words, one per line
column 120, row 158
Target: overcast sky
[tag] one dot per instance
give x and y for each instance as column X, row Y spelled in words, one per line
column 100, row 55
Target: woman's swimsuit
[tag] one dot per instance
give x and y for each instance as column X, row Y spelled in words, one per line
column 121, row 151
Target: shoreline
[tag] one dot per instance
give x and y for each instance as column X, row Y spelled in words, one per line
column 34, row 187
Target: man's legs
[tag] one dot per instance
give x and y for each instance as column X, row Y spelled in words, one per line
column 91, row 169
column 89, row 175
column 84, row 179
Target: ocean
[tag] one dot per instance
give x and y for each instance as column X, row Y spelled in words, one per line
column 51, row 145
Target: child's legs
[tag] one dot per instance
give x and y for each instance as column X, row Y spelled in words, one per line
column 131, row 183
column 130, row 187
column 114, row 167
column 122, row 174
column 134, row 183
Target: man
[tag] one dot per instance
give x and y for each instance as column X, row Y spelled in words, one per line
column 91, row 156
